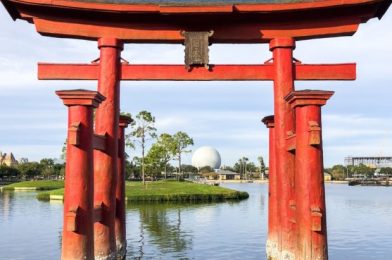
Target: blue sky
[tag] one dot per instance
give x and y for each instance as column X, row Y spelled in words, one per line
column 225, row 115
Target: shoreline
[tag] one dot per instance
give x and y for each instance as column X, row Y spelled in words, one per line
column 262, row 181
column 160, row 191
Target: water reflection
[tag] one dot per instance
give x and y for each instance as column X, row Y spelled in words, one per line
column 163, row 222
column 359, row 226
column 160, row 224
column 198, row 230
column 6, row 205
column 29, row 229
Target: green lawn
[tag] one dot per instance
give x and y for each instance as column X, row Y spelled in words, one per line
column 39, row 185
column 169, row 191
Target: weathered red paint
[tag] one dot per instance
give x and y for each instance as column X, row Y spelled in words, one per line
column 231, row 23
column 347, row 71
column 252, row 32
column 99, row 142
column 77, row 239
column 309, row 178
column 273, row 210
column 282, row 49
column 105, row 162
column 120, row 224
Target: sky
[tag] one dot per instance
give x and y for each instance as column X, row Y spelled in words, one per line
column 224, row 115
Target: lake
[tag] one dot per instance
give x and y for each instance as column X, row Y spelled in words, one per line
column 359, row 226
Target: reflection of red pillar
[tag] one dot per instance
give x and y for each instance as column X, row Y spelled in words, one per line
column 282, row 49
column 273, row 211
column 105, row 162
column 78, row 232
column 309, row 179
column 120, row 225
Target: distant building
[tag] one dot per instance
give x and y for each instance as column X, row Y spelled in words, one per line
column 327, row 176
column 23, row 160
column 210, row 175
column 8, row 159
column 228, row 175
column 369, row 161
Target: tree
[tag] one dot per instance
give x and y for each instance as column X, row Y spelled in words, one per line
column 186, row 168
column 244, row 160
column 160, row 154
column 206, row 169
column 241, row 167
column 143, row 132
column 167, row 145
column 63, row 155
column 47, row 167
column 30, row 169
column 350, row 170
column 251, row 167
column 262, row 166
column 135, row 169
column 363, row 170
column 386, row 171
column 7, row 171
column 182, row 141
column 153, row 162
column 238, row 167
column 338, row 172
column 157, row 158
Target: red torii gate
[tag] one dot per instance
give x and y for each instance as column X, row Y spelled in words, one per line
column 286, row 231
column 298, row 230
column 285, row 228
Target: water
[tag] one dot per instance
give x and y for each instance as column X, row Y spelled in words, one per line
column 359, row 226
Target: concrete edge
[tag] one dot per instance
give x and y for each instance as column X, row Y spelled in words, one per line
column 56, row 197
column 25, row 188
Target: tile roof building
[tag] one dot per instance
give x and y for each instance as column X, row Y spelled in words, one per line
column 8, row 159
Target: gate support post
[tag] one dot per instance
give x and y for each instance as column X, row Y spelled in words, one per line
column 309, row 178
column 105, row 162
column 282, row 49
column 273, row 216
column 78, row 231
column 120, row 224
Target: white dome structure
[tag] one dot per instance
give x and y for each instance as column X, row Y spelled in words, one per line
column 206, row 156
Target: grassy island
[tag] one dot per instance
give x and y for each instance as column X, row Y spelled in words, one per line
column 167, row 191
column 35, row 185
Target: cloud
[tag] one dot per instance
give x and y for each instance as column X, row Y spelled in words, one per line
column 225, row 115
column 343, row 126
column 172, row 122
column 34, row 152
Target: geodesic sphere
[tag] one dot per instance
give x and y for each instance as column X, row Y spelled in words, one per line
column 206, row 156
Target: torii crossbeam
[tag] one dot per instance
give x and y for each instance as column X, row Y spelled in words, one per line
column 264, row 72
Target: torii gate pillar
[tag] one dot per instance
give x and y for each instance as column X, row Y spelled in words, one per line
column 282, row 49
column 105, row 162
column 273, row 210
column 120, row 224
column 309, row 177
column 77, row 239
